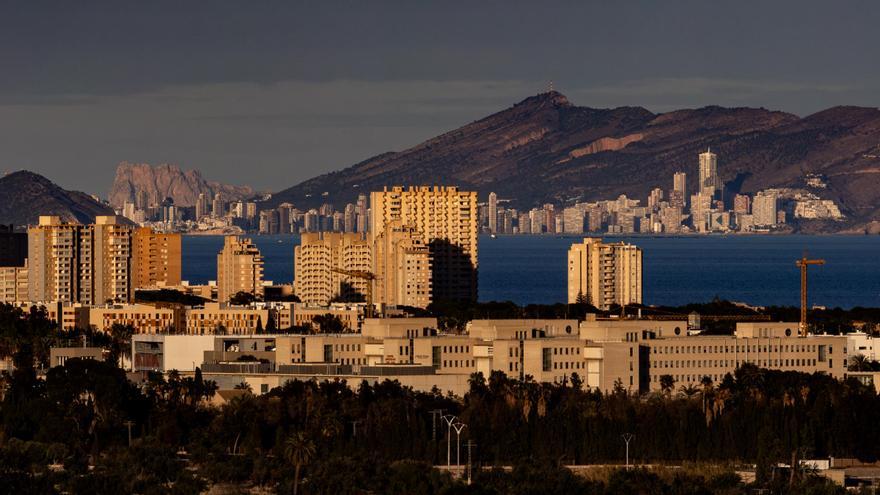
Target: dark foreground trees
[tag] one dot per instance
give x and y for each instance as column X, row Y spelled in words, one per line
column 69, row 431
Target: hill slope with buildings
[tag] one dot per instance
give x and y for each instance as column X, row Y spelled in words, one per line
column 26, row 195
column 547, row 150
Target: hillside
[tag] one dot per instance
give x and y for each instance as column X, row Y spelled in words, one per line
column 168, row 181
column 27, row 195
column 545, row 149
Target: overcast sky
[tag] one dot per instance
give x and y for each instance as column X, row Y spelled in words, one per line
column 272, row 93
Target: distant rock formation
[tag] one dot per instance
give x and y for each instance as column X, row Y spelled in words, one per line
column 24, row 196
column 168, row 181
column 547, row 150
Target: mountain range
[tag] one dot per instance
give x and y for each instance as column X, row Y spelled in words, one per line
column 27, row 195
column 544, row 149
column 168, row 181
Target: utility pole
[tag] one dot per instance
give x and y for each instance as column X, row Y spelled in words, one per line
column 626, row 438
column 434, row 415
column 354, row 427
column 803, row 263
column 129, row 423
column 470, row 443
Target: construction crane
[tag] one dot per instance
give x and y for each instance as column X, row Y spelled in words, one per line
column 803, row 263
column 364, row 275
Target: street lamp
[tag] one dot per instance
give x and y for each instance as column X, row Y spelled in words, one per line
column 449, row 418
column 626, row 438
column 458, row 427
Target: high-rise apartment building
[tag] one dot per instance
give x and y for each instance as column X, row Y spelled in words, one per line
column 549, row 218
column 217, row 209
column 741, row 204
column 536, row 218
column 201, row 206
column 239, row 268
column 156, row 258
column 402, row 265
column 710, row 185
column 655, row 198
column 14, row 283
column 493, row 212
column 679, row 183
column 447, row 221
column 573, row 220
column 604, row 274
column 700, row 207
column 316, row 260
column 764, row 209
column 89, row 264
column 361, row 207
column 13, row 246
column 524, row 223
column 350, row 218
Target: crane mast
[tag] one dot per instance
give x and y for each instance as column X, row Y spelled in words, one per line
column 803, row 264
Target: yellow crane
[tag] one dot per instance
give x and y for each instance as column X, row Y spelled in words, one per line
column 370, row 277
column 803, row 263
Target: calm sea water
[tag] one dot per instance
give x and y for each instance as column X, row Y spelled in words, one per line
column 678, row 270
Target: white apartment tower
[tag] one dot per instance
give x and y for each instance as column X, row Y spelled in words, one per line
column 319, row 262
column 493, row 212
column 89, row 264
column 604, row 274
column 446, row 219
column 402, row 265
column 710, row 186
column 239, row 268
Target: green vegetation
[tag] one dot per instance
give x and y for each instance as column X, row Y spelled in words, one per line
column 69, row 432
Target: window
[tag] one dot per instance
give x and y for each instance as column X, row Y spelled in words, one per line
column 547, row 359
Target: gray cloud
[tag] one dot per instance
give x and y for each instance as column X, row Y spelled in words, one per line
column 271, row 93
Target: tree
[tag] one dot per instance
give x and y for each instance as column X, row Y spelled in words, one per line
column 859, row 362
column 667, row 383
column 242, row 298
column 120, row 342
column 299, row 451
column 329, row 323
column 244, row 386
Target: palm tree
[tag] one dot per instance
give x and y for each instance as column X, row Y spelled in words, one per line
column 688, row 391
column 859, row 362
column 244, row 386
column 667, row 383
column 299, row 451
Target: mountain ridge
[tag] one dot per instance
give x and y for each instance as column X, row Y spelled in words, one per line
column 27, row 195
column 168, row 180
column 545, row 149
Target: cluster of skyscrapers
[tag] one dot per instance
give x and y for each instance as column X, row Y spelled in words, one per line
column 674, row 211
column 421, row 246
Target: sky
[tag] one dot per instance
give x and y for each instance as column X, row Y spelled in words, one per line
column 270, row 93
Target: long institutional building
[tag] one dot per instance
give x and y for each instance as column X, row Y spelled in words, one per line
column 606, row 354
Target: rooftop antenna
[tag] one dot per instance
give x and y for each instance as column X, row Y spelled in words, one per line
column 550, row 87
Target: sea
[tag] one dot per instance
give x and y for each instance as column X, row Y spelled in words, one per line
column 753, row 269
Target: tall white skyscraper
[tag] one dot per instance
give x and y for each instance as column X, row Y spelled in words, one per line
column 710, row 186
column 493, row 212
column 679, row 189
